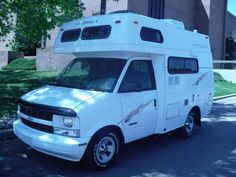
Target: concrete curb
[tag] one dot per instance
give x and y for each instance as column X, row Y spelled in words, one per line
column 223, row 97
column 7, row 134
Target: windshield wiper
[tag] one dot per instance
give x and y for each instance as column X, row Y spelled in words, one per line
column 75, row 85
column 67, row 84
column 56, row 83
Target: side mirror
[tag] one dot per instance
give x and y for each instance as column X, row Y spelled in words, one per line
column 130, row 87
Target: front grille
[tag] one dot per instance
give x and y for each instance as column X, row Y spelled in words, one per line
column 39, row 114
column 37, row 126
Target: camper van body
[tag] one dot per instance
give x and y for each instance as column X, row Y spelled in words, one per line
column 179, row 84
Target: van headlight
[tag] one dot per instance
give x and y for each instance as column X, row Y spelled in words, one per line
column 68, row 121
column 66, row 132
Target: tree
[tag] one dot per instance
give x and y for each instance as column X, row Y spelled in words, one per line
column 230, row 49
column 234, row 34
column 6, row 19
column 35, row 18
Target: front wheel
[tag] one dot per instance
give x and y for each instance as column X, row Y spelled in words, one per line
column 103, row 150
column 188, row 129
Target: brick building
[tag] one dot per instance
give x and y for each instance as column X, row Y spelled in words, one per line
column 206, row 16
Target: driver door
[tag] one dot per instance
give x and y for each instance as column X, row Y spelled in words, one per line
column 138, row 100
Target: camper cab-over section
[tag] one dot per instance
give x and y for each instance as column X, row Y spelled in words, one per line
column 132, row 76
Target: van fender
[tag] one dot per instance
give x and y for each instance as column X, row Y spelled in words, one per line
column 101, row 127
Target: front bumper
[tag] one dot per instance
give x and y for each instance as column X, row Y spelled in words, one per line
column 56, row 145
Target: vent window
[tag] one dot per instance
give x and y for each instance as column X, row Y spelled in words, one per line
column 97, row 32
column 70, row 35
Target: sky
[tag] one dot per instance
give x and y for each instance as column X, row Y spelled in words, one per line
column 232, row 6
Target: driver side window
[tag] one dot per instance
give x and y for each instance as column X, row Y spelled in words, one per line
column 139, row 77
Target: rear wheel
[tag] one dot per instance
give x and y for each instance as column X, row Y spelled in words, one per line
column 102, row 150
column 188, row 129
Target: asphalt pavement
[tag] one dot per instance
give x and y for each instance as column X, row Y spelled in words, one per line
column 210, row 152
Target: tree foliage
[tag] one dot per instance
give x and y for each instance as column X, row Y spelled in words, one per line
column 234, row 35
column 230, row 47
column 35, row 18
column 6, row 18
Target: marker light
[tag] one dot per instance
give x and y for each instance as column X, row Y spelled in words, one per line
column 66, row 132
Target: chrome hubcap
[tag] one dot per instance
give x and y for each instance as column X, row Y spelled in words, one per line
column 105, row 150
column 189, row 124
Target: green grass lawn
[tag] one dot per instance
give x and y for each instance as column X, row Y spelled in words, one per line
column 13, row 84
column 224, row 88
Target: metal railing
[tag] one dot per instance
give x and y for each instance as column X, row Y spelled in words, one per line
column 224, row 64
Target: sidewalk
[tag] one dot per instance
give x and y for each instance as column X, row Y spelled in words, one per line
column 223, row 97
column 8, row 133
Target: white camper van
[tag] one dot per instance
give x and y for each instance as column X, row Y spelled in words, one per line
column 132, row 77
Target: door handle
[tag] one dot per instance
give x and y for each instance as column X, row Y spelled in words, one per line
column 155, row 103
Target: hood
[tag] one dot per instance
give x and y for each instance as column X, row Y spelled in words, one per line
column 59, row 96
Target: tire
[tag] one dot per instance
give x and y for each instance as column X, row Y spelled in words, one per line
column 188, row 129
column 103, row 150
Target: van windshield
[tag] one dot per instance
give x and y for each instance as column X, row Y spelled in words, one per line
column 99, row 74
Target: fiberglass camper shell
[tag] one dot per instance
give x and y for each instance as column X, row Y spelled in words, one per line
column 132, row 76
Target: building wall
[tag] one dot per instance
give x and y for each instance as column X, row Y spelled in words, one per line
column 92, row 7
column 115, row 6
column 47, row 60
column 202, row 15
column 3, row 44
column 182, row 10
column 138, row 6
column 230, row 24
column 53, row 33
column 217, row 28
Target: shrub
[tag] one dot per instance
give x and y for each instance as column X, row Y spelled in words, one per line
column 21, row 64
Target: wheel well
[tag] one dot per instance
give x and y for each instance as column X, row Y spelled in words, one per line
column 112, row 128
column 197, row 115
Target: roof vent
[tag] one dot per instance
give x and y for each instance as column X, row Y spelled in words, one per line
column 176, row 23
column 121, row 12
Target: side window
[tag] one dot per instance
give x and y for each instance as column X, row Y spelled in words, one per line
column 181, row 65
column 139, row 77
column 191, row 66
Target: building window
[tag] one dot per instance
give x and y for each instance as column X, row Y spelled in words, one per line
column 96, row 32
column 180, row 65
column 70, row 35
column 156, row 8
column 151, row 35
